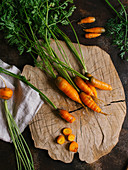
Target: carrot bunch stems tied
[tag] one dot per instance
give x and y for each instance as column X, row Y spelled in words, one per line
column 23, row 153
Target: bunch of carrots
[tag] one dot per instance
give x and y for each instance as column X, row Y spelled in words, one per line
column 79, row 87
column 91, row 32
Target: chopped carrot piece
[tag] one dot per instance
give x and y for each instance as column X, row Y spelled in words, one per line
column 60, row 139
column 71, row 137
column 73, row 147
column 67, row 131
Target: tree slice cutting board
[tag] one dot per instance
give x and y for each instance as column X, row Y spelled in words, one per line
column 95, row 133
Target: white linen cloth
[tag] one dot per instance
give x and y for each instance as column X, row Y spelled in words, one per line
column 23, row 105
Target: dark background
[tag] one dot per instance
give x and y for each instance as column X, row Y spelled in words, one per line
column 117, row 159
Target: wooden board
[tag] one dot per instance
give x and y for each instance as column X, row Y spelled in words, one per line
column 95, row 133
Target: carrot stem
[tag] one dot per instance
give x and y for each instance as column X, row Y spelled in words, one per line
column 23, row 79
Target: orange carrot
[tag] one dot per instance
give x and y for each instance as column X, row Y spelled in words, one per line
column 67, row 131
column 92, row 88
column 71, row 137
column 73, row 147
column 83, row 86
column 87, row 20
column 88, row 101
column 95, row 30
column 65, row 87
column 60, row 139
column 92, row 35
column 66, row 116
column 97, row 83
column 6, row 93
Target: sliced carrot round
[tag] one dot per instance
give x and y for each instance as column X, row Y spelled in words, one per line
column 71, row 137
column 73, row 147
column 67, row 131
column 60, row 139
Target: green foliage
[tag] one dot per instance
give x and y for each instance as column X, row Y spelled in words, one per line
column 117, row 28
column 17, row 16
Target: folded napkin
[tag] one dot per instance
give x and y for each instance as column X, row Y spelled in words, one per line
column 23, row 105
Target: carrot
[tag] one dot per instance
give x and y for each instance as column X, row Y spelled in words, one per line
column 97, row 83
column 83, row 86
column 6, row 93
column 73, row 147
column 92, row 88
column 95, row 30
column 87, row 20
column 88, row 101
column 66, row 88
column 71, row 137
column 92, row 35
column 66, row 116
column 67, row 131
column 60, row 139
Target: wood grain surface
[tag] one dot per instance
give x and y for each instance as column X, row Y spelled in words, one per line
column 95, row 133
column 117, row 159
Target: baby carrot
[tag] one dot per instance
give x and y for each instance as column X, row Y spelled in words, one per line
column 87, row 20
column 88, row 101
column 66, row 116
column 71, row 137
column 60, row 139
column 95, row 30
column 73, row 147
column 83, row 86
column 6, row 93
column 66, row 88
column 67, row 131
column 92, row 88
column 97, row 83
column 92, row 35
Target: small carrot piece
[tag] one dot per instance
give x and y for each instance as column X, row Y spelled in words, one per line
column 6, row 93
column 95, row 30
column 71, row 137
column 92, row 35
column 67, row 131
column 66, row 116
column 73, row 147
column 60, row 139
column 92, row 88
column 66, row 88
column 83, row 86
column 97, row 83
column 87, row 20
column 88, row 101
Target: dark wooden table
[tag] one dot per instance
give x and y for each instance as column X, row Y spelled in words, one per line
column 117, row 159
